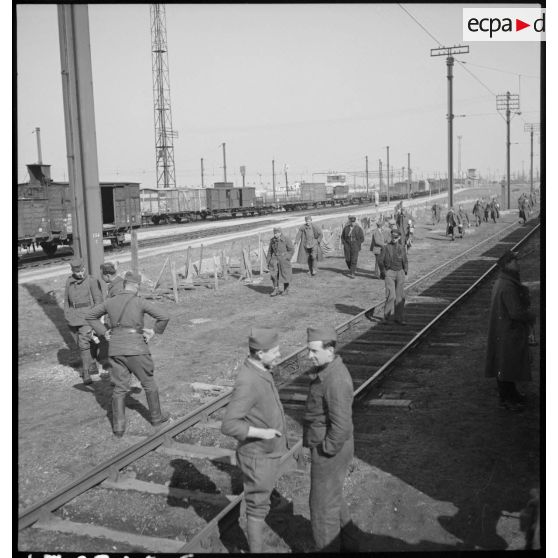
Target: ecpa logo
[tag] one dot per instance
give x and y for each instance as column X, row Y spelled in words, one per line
column 504, row 24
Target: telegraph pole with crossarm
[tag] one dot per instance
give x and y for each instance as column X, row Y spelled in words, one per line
column 532, row 129
column 508, row 102
column 447, row 52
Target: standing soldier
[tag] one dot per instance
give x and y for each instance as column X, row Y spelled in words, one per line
column 477, row 212
column 393, row 268
column 278, row 261
column 328, row 432
column 352, row 237
column 522, row 209
column 378, row 242
column 451, row 223
column 128, row 348
column 255, row 417
column 508, row 357
column 115, row 283
column 310, row 251
column 82, row 292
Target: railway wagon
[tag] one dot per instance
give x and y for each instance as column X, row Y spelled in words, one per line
column 162, row 205
column 234, row 201
column 45, row 211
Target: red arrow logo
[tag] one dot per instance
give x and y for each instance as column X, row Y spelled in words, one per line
column 519, row 25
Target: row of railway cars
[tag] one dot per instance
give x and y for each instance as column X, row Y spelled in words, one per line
column 45, row 206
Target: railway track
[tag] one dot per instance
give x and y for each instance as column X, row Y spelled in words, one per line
column 186, row 471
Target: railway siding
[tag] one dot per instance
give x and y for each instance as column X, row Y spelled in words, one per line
column 399, row 388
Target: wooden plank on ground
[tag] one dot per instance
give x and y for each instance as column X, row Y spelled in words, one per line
column 170, row 491
column 200, row 452
column 151, row 544
column 389, row 403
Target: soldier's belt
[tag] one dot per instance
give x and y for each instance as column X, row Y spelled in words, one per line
column 128, row 329
column 81, row 305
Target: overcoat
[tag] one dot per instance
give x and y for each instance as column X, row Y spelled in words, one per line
column 302, row 256
column 80, row 295
column 279, row 257
column 507, row 355
column 356, row 239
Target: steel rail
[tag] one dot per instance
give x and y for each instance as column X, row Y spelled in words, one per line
column 377, row 375
column 208, row 531
column 103, row 471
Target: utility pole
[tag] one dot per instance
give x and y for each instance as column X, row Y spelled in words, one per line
column 38, row 134
column 81, row 141
column 447, row 52
column 508, row 102
column 202, row 172
column 459, row 160
column 409, row 175
column 224, row 164
column 380, row 175
column 273, row 174
column 367, row 175
column 243, row 173
column 164, row 133
column 285, row 169
column 531, row 128
column 387, row 173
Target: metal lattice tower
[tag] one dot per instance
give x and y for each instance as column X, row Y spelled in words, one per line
column 164, row 134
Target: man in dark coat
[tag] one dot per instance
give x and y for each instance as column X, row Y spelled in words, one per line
column 128, row 348
column 255, row 417
column 309, row 251
column 114, row 282
column 393, row 269
column 81, row 293
column 451, row 223
column 278, row 261
column 378, row 242
column 462, row 216
column 328, row 432
column 477, row 212
column 507, row 357
column 352, row 237
column 436, row 212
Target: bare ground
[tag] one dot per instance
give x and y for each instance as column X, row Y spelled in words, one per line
column 64, row 427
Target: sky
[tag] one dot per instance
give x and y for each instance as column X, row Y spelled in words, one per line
column 317, row 87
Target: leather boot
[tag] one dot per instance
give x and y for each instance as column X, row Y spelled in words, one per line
column 86, row 377
column 254, row 527
column 157, row 417
column 118, row 416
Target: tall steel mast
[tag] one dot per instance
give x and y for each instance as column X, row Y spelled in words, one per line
column 164, row 134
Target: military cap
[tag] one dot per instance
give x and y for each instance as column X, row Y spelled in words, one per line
column 76, row 263
column 507, row 257
column 276, row 229
column 108, row 269
column 308, row 218
column 395, row 232
column 352, row 218
column 132, row 277
column 263, row 338
column 324, row 333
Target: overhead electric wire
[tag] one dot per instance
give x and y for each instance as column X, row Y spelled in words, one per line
column 498, row 70
column 420, row 24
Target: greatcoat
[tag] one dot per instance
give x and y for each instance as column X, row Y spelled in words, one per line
column 305, row 234
column 507, row 355
column 279, row 257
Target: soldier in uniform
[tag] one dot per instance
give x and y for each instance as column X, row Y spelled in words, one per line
column 309, row 252
column 462, row 216
column 378, row 242
column 328, row 432
column 393, row 268
column 278, row 261
column 82, row 292
column 352, row 237
column 115, row 283
column 477, row 212
column 451, row 223
column 255, row 417
column 128, row 348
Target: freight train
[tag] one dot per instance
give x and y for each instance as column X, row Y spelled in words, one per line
column 44, row 211
column 45, row 206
